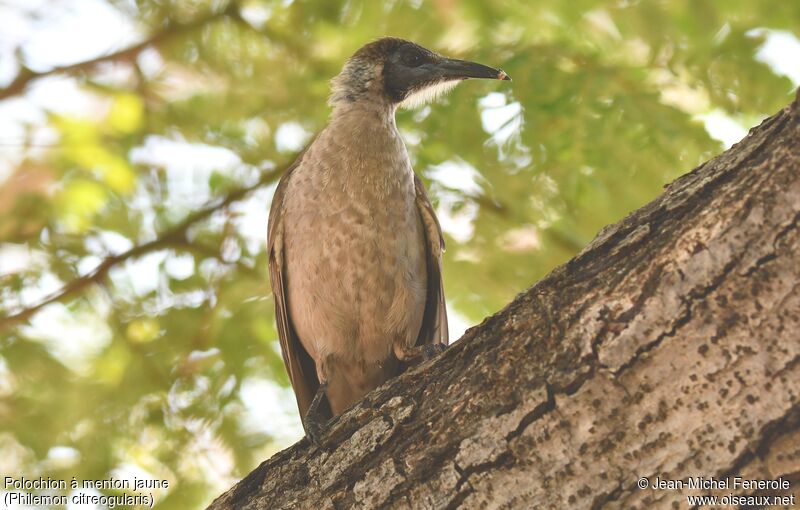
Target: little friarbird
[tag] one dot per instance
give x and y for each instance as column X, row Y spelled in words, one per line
column 355, row 248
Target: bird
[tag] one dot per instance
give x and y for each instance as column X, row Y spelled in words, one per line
column 354, row 245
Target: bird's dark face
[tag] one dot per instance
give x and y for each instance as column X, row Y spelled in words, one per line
column 413, row 75
column 402, row 73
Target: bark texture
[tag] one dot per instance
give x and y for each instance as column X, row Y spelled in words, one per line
column 669, row 347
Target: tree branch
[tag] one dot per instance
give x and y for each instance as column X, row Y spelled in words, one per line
column 26, row 76
column 174, row 236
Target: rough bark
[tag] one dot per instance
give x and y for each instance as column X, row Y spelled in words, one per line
column 669, row 347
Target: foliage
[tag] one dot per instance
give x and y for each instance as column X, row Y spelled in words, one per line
column 140, row 221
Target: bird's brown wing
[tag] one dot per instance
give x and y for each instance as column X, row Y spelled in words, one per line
column 434, row 322
column 299, row 365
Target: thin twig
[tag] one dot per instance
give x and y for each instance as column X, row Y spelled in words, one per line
column 26, row 76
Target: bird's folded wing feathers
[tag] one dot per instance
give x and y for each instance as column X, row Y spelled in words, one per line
column 434, row 322
column 298, row 363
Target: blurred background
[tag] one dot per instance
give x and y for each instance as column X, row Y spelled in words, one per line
column 140, row 144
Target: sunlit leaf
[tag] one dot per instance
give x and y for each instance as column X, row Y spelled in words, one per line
column 126, row 113
column 78, row 202
column 143, row 330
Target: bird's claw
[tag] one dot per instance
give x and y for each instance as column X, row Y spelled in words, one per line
column 430, row 351
column 421, row 354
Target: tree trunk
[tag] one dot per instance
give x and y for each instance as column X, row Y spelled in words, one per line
column 669, row 347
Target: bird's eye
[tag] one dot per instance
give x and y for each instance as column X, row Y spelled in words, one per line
column 411, row 58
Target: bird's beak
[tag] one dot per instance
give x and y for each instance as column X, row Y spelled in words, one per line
column 461, row 69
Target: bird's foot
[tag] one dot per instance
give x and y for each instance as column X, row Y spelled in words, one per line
column 422, row 353
column 430, row 351
column 315, row 422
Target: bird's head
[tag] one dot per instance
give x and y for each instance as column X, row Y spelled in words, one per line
column 398, row 72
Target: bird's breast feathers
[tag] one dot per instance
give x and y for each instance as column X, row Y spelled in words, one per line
column 352, row 210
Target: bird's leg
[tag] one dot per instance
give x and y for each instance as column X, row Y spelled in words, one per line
column 411, row 356
column 315, row 421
